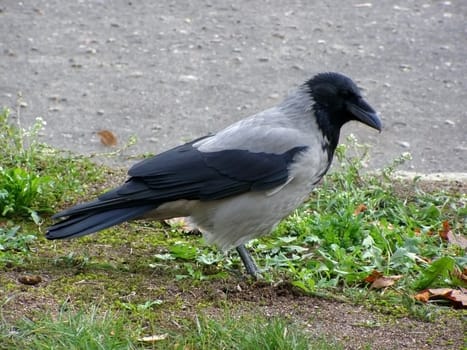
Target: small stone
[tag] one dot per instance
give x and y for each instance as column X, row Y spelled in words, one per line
column 403, row 144
column 238, row 59
column 100, row 112
column 187, row 78
column 278, row 35
column 23, row 104
column 405, row 67
column 263, row 59
column 30, row 280
column 54, row 109
column 297, row 67
column 136, row 74
column 449, row 122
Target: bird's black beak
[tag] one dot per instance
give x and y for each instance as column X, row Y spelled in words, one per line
column 363, row 112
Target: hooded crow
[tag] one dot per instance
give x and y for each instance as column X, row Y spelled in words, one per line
column 239, row 183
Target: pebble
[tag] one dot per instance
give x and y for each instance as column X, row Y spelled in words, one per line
column 449, row 122
column 136, row 74
column 297, row 67
column 30, row 280
column 403, row 144
column 100, row 112
column 404, row 67
column 187, row 78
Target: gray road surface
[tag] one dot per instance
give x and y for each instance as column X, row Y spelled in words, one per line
column 169, row 71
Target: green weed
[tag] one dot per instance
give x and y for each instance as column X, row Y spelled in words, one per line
column 33, row 176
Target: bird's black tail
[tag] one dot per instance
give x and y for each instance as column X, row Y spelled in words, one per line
column 85, row 222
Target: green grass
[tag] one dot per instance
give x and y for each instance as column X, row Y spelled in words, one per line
column 93, row 329
column 99, row 329
column 250, row 334
column 33, row 176
column 353, row 223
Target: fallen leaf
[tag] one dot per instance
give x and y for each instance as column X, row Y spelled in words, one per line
column 383, row 282
column 446, row 234
column 153, row 338
column 107, row 137
column 457, row 297
column 30, row 280
column 439, row 292
column 375, row 274
column 378, row 280
column 443, row 233
column 457, row 239
column 360, row 209
column 423, row 296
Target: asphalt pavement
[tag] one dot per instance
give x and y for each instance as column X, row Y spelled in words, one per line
column 170, row 71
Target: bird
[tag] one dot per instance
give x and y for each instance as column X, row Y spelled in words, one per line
column 239, row 183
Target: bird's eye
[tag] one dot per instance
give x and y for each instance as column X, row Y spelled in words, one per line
column 346, row 94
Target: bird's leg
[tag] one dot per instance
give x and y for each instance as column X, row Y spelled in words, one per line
column 248, row 261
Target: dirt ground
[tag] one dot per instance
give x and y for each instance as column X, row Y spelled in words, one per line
column 169, row 71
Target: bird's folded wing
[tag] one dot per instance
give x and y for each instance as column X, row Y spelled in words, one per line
column 187, row 173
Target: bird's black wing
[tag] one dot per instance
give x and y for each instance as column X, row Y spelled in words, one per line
column 185, row 172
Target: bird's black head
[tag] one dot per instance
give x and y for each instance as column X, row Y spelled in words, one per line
column 337, row 100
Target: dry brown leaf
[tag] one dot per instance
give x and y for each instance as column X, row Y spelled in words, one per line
column 107, row 137
column 443, row 233
column 457, row 297
column 153, row 338
column 458, row 239
column 439, row 292
column 383, row 282
column 423, row 296
column 360, row 209
column 446, row 234
column 375, row 274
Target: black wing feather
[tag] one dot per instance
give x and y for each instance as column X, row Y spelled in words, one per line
column 186, row 173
